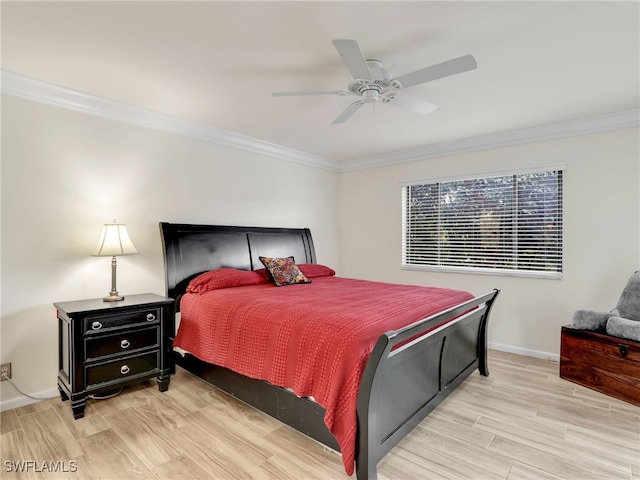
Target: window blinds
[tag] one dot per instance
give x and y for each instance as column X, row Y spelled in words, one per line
column 510, row 223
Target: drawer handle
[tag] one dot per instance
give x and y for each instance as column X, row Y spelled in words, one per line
column 124, row 369
column 96, row 326
column 624, row 349
column 125, row 343
column 150, row 317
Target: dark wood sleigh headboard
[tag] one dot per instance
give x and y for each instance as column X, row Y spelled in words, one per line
column 190, row 250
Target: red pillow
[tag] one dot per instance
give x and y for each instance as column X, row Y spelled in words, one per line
column 224, row 278
column 313, row 270
column 265, row 273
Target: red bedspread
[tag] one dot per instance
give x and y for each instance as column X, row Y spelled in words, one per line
column 313, row 338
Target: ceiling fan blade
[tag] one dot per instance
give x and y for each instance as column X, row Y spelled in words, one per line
column 346, row 114
column 294, row 94
column 441, row 70
column 354, row 59
column 410, row 103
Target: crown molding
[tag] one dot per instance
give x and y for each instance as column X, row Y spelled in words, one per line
column 43, row 92
column 555, row 131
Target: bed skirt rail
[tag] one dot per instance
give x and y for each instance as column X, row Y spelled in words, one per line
column 410, row 372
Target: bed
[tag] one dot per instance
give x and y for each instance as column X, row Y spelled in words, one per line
column 406, row 373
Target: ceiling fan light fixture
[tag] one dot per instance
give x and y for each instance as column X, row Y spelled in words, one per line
column 370, row 96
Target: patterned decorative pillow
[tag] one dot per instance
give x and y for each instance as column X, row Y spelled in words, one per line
column 284, row 271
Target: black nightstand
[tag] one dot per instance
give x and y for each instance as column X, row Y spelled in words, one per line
column 106, row 345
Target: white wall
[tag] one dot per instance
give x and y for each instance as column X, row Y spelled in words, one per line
column 64, row 174
column 601, row 233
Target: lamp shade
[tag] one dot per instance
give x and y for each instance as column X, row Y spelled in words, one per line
column 114, row 241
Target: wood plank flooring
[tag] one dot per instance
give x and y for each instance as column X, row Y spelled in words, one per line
column 521, row 423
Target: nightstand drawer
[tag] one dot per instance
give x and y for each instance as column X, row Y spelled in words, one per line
column 122, row 369
column 121, row 342
column 99, row 323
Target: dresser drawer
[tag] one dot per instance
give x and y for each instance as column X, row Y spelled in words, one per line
column 121, row 342
column 98, row 323
column 122, row 369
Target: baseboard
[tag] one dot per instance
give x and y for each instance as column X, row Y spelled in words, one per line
column 24, row 400
column 525, row 351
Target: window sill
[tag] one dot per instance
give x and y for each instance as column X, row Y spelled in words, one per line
column 486, row 271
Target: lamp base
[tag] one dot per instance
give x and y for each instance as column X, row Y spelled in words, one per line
column 113, row 294
column 113, row 298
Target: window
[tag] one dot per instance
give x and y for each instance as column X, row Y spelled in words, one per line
column 511, row 223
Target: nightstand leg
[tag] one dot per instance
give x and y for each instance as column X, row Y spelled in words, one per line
column 163, row 382
column 63, row 395
column 77, row 406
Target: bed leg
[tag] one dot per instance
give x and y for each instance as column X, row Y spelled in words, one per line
column 483, row 365
column 366, row 470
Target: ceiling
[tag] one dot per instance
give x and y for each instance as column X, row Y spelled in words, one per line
column 217, row 63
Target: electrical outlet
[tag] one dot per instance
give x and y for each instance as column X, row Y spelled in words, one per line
column 5, row 369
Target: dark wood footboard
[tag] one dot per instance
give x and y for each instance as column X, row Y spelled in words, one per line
column 407, row 377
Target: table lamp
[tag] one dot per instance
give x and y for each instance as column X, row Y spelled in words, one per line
column 114, row 241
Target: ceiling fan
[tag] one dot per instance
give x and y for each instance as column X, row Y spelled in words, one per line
column 372, row 82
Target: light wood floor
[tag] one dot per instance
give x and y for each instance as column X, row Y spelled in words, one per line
column 521, row 423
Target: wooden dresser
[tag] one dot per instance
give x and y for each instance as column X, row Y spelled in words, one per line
column 106, row 345
column 598, row 361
